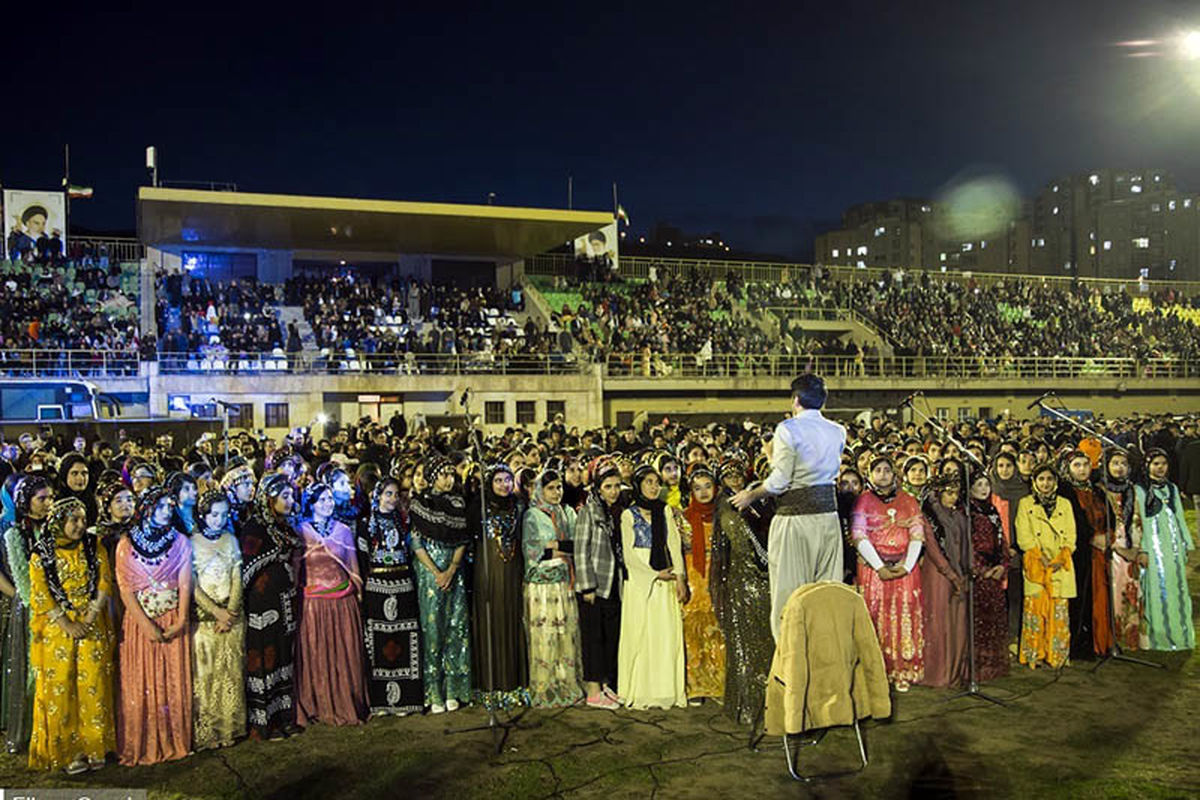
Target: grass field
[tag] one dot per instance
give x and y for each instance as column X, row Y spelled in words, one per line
column 1123, row 731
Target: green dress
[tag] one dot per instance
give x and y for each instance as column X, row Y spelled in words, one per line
column 1166, row 540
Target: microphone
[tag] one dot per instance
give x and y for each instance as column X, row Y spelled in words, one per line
column 1038, row 401
column 909, row 400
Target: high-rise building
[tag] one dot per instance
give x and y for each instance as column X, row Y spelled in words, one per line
column 1102, row 224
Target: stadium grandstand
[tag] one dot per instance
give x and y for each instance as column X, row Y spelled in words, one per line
column 341, row 308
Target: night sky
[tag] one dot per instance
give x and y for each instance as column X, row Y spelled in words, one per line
column 760, row 120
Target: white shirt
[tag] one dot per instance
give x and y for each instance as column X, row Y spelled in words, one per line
column 806, row 451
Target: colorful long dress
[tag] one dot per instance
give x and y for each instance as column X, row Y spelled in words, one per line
column 1091, row 633
column 650, row 659
column 269, row 578
column 218, row 659
column 1126, row 526
column 18, row 677
column 1166, row 541
column 947, row 634
column 330, row 680
column 439, row 525
column 741, row 598
column 896, row 606
column 1046, row 630
column 703, row 641
column 989, row 550
column 551, row 614
column 73, row 699
column 391, row 614
column 155, row 716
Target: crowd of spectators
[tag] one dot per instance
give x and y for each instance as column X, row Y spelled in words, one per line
column 364, row 318
column 65, row 306
column 217, row 319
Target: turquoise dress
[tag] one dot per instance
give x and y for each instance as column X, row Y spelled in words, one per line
column 18, row 678
column 445, row 635
column 1167, row 606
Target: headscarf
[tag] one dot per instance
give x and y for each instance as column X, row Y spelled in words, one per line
column 440, row 517
column 26, row 489
column 7, row 493
column 46, row 549
column 1154, row 503
column 278, row 528
column 700, row 517
column 175, row 483
column 890, row 494
column 659, row 559
column 85, row 494
column 106, row 526
column 204, row 506
column 151, row 541
column 387, row 531
column 553, row 511
column 1070, row 478
column 1048, row 502
column 238, row 511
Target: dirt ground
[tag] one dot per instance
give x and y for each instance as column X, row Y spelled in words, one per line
column 1120, row 731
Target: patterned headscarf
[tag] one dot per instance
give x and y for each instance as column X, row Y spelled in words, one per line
column 278, row 527
column 204, row 506
column 434, row 466
column 388, row 530
column 46, row 550
column 26, row 489
column 149, row 540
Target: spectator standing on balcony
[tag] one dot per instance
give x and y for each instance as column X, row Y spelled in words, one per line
column 805, row 543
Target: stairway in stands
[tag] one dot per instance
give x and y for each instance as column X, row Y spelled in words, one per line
column 289, row 314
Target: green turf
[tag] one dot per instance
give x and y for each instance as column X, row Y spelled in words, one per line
column 1123, row 731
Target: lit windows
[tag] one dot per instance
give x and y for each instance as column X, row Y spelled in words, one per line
column 1136, row 188
column 1094, row 179
column 1187, row 202
column 880, row 231
column 835, row 252
column 1055, row 189
column 1107, row 244
column 968, row 247
column 1055, row 211
column 1156, row 207
column 943, row 256
column 1170, row 205
column 862, row 250
column 1141, row 242
column 983, row 245
column 1092, row 250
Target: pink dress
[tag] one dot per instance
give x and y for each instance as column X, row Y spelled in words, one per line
column 331, row 684
column 895, row 605
column 154, row 718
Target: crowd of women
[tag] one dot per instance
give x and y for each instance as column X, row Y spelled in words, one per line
column 155, row 604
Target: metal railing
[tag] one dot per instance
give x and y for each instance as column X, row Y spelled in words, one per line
column 69, row 363
column 369, row 364
column 784, row 365
column 117, row 248
column 121, row 364
column 638, row 267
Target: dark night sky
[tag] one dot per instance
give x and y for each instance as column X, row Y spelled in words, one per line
column 756, row 119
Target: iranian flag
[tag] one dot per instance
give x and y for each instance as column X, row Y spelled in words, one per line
column 79, row 192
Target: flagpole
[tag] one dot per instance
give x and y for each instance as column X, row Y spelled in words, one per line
column 615, row 206
column 570, row 192
column 67, row 189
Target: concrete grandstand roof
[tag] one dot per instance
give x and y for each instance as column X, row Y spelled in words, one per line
column 179, row 218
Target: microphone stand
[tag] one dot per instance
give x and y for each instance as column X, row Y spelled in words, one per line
column 499, row 728
column 1116, row 652
column 972, row 689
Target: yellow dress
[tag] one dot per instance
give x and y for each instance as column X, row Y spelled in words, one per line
column 702, row 638
column 73, row 695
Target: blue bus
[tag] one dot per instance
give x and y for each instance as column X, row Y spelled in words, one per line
column 40, row 400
